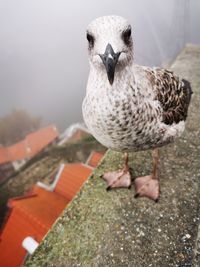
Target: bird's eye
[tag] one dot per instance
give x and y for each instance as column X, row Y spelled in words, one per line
column 90, row 39
column 126, row 36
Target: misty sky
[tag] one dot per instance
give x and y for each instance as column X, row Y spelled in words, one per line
column 43, row 49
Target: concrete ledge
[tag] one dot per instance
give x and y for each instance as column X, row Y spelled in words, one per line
column 102, row 228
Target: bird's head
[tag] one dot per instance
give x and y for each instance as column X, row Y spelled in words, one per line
column 110, row 44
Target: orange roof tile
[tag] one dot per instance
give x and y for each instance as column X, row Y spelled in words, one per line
column 38, row 140
column 43, row 206
column 94, row 159
column 71, row 179
column 18, row 151
column 16, row 229
column 32, row 215
column 30, row 146
column 4, row 155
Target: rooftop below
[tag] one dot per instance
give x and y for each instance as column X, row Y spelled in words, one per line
column 100, row 228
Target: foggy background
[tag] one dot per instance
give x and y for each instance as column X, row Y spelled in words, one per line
column 43, row 49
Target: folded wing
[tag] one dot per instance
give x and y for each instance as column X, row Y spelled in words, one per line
column 173, row 94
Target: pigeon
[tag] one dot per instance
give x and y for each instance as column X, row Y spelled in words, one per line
column 128, row 107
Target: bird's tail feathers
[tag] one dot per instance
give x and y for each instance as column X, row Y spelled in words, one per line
column 188, row 88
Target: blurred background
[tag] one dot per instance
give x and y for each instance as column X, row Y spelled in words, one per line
column 43, row 49
column 43, row 75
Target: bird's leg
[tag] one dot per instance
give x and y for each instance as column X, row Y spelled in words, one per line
column 148, row 186
column 119, row 178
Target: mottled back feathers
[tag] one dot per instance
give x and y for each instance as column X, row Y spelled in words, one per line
column 173, row 94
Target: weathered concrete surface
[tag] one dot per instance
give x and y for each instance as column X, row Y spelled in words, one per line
column 112, row 228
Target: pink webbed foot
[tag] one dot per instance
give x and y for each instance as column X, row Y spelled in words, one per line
column 118, row 179
column 147, row 186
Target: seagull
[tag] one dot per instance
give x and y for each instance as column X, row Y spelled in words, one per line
column 128, row 107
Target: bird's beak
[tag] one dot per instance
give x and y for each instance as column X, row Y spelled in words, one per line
column 110, row 59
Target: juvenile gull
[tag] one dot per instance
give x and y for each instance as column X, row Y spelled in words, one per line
column 128, row 107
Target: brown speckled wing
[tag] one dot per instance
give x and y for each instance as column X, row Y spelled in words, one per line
column 173, row 94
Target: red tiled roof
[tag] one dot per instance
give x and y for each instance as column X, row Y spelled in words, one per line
column 32, row 216
column 18, row 151
column 4, row 155
column 71, row 179
column 43, row 206
column 94, row 159
column 30, row 146
column 38, row 140
column 16, row 229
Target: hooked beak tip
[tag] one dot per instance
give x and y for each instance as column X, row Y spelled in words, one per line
column 111, row 81
column 110, row 59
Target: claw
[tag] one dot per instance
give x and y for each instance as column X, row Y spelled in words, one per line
column 108, row 188
column 136, row 195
